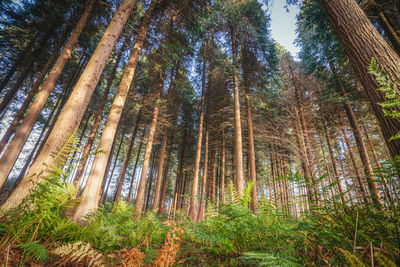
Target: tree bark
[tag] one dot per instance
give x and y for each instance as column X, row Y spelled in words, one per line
column 238, row 124
column 16, row 144
column 136, row 162
column 11, row 129
column 252, row 156
column 195, row 184
column 96, row 123
column 150, row 180
column 333, row 160
column 147, row 153
column 359, row 179
column 200, row 214
column 104, row 195
column 362, row 42
column 222, row 192
column 166, row 177
column 127, row 158
column 91, row 193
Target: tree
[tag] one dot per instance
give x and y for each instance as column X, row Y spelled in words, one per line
column 74, row 109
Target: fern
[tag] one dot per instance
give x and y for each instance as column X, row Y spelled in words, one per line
column 383, row 260
column 389, row 87
column 79, row 252
column 351, row 259
column 37, row 251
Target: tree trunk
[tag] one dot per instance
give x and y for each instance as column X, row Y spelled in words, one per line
column 200, row 214
column 11, row 129
column 17, row 63
column 362, row 42
column 45, row 157
column 252, row 157
column 166, row 177
column 96, row 123
column 372, row 185
column 136, row 162
column 104, row 195
column 150, row 180
column 213, row 174
column 222, row 192
column 359, row 179
column 238, row 124
column 333, row 160
column 93, row 186
column 147, row 153
column 160, row 171
column 6, row 101
column 195, row 184
column 127, row 158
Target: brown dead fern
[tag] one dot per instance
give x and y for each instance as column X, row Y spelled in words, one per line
column 167, row 255
column 78, row 253
column 132, row 257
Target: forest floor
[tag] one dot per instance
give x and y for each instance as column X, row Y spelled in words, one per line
column 231, row 235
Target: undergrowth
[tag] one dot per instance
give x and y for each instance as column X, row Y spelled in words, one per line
column 39, row 231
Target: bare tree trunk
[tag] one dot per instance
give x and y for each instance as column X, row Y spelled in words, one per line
column 333, row 160
column 238, row 124
column 97, row 121
column 136, row 162
column 61, row 129
column 31, row 95
column 200, row 214
column 166, row 177
column 147, row 153
column 222, row 193
column 17, row 63
column 127, row 158
column 91, row 193
column 252, row 157
column 104, row 195
column 359, row 179
column 150, row 180
column 195, row 184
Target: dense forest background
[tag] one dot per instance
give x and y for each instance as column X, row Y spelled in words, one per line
column 160, row 133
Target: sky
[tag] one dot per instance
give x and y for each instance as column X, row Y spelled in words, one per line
column 283, row 25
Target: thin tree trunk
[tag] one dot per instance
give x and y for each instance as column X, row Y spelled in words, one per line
column 11, row 129
column 136, row 162
column 45, row 156
column 195, row 184
column 147, row 153
column 222, row 192
column 160, row 171
column 150, row 180
column 252, row 157
column 200, row 214
column 105, row 192
column 359, row 179
column 127, row 158
column 166, row 178
column 372, row 184
column 238, row 124
column 333, row 160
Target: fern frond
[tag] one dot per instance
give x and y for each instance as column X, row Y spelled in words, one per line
column 79, row 253
column 383, row 260
column 351, row 259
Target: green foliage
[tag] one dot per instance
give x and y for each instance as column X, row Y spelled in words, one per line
column 388, row 86
column 36, row 250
